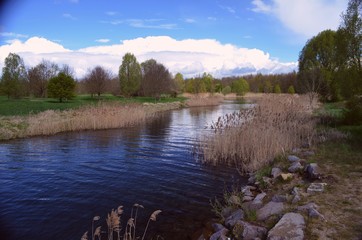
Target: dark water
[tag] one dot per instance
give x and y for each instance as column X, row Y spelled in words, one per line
column 52, row 187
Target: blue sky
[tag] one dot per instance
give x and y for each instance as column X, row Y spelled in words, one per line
column 278, row 29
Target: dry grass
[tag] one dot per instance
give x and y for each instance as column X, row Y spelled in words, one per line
column 198, row 100
column 252, row 138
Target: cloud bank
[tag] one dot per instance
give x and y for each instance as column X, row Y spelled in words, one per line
column 304, row 17
column 190, row 57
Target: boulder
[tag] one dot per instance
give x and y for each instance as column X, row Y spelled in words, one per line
column 275, row 172
column 257, row 203
column 291, row 226
column 295, row 167
column 313, row 172
column 251, row 231
column 286, row 176
column 293, row 158
column 220, row 235
column 259, row 197
column 296, row 199
column 234, row 200
column 271, row 208
column 279, row 198
column 217, row 227
column 305, row 208
column 234, row 217
column 316, row 187
column 247, row 190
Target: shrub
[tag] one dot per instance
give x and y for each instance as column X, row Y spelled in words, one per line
column 291, row 89
column 353, row 112
column 226, row 90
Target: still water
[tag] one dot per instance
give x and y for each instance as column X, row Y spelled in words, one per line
column 52, row 187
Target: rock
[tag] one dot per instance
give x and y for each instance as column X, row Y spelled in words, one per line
column 252, row 180
column 286, row 176
column 293, row 158
column 251, row 231
column 295, row 167
column 313, row 213
column 217, row 227
column 247, row 190
column 234, row 200
column 279, row 198
column 257, row 203
column 316, row 187
column 307, row 153
column 313, row 172
column 296, row 199
column 259, row 197
column 226, row 212
column 220, row 235
column 271, row 208
column 268, row 181
column 306, row 207
column 295, row 191
column 291, row 226
column 248, row 198
column 234, row 217
column 275, row 172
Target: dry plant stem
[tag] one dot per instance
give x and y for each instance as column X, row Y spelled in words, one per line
column 153, row 218
column 252, row 138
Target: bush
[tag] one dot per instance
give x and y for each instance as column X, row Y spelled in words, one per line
column 291, row 89
column 353, row 112
column 226, row 90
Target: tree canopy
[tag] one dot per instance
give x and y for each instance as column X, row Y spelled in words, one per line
column 61, row 87
column 130, row 75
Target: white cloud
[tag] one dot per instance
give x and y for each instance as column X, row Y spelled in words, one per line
column 69, row 16
column 189, row 20
column 304, row 17
column 11, row 34
column 151, row 23
column 189, row 56
column 111, row 13
column 102, row 40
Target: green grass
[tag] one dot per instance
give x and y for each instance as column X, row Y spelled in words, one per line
column 25, row 106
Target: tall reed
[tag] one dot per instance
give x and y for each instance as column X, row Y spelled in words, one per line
column 251, row 138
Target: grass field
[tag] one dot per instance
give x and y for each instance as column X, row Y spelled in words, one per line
column 25, row 106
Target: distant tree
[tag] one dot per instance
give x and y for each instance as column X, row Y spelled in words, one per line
column 277, row 89
column 180, row 82
column 67, row 70
column 97, row 80
column 156, row 79
column 130, row 75
column 61, row 87
column 208, row 81
column 39, row 76
column 226, row 90
column 268, row 87
column 291, row 89
column 13, row 79
column 240, row 87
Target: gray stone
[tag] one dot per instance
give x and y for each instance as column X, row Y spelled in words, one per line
column 293, row 158
column 247, row 190
column 234, row 217
column 291, row 226
column 220, row 235
column 305, row 208
column 259, row 197
column 271, row 208
column 226, row 212
column 316, row 187
column 248, row 198
column 313, row 213
column 279, row 198
column 275, row 172
column 296, row 199
column 313, row 171
column 295, row 191
column 235, row 200
column 295, row 167
column 252, row 179
column 251, row 231
column 217, row 227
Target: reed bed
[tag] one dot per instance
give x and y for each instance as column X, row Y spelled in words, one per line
column 203, row 100
column 252, row 138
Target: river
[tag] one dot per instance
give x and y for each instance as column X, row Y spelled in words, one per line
column 52, row 187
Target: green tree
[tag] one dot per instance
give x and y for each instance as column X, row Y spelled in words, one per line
column 318, row 60
column 13, row 79
column 130, row 75
column 208, row 81
column 240, row 87
column 180, row 82
column 291, row 89
column 277, row 89
column 268, row 87
column 349, row 48
column 61, row 87
column 226, row 90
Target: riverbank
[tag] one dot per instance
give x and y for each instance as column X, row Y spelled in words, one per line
column 102, row 115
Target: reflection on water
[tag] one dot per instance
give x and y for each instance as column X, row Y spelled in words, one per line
column 51, row 187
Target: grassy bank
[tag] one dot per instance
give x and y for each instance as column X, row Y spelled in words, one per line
column 251, row 138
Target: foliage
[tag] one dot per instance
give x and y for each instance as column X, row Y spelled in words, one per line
column 130, row 75
column 277, row 89
column 13, row 79
column 180, row 82
column 291, row 89
column 62, row 87
column 268, row 87
column 240, row 87
column 353, row 112
column 226, row 90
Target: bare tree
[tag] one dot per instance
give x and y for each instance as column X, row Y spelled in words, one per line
column 156, row 79
column 96, row 80
column 39, row 76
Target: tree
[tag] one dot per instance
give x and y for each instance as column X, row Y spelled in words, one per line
column 277, row 89
column 291, row 89
column 62, row 87
column 39, row 76
column 208, row 81
column 180, row 82
column 349, row 48
column 226, row 90
column 156, row 79
column 96, row 80
column 130, row 75
column 13, row 79
column 240, row 87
